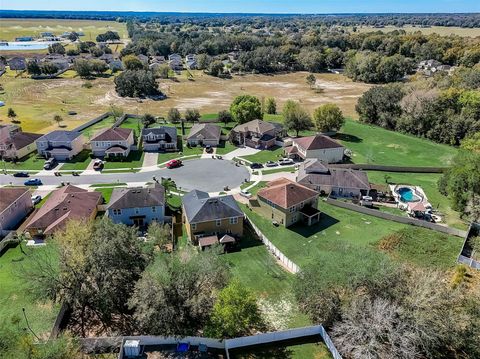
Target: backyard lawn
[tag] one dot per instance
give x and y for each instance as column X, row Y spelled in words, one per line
column 106, row 192
column 15, row 294
column 225, row 147
column 91, row 130
column 134, row 160
column 273, row 154
column 372, row 144
column 79, row 163
column 30, row 162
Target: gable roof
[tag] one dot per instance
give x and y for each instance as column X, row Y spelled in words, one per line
column 113, row 134
column 137, row 197
column 286, row 193
column 10, row 195
column 206, row 130
column 316, row 142
column 64, row 204
column 171, row 132
column 60, row 135
column 20, row 139
column 200, row 207
column 258, row 126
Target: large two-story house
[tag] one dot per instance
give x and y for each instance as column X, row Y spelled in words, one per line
column 257, row 134
column 15, row 205
column 319, row 146
column 112, row 142
column 210, row 220
column 61, row 145
column 15, row 144
column 159, row 139
column 286, row 203
column 339, row 182
column 137, row 206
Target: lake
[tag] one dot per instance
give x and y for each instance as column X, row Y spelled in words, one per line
column 26, row 45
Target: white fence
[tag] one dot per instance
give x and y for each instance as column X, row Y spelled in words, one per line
column 472, row 263
column 292, row 267
column 328, row 342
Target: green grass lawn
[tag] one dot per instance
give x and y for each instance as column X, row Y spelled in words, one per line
column 341, row 234
column 91, row 130
column 106, row 192
column 372, row 144
column 134, row 160
column 133, row 123
column 15, row 293
column 225, row 147
column 272, row 154
column 257, row 187
column 278, row 169
column 79, row 163
column 428, row 182
column 209, row 116
column 30, row 162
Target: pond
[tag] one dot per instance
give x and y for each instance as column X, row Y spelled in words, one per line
column 25, row 45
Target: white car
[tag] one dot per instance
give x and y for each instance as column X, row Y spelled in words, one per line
column 271, row 164
column 245, row 194
column 36, row 199
column 285, row 162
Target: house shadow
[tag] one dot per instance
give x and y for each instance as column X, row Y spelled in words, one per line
column 347, row 138
column 248, row 240
column 302, row 229
column 81, row 157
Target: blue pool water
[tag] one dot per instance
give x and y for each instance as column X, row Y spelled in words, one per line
column 407, row 195
column 27, row 45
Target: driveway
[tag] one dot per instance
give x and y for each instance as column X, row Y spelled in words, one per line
column 239, row 152
column 149, row 161
column 204, row 174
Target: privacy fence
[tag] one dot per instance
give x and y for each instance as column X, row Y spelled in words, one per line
column 291, row 266
column 395, row 218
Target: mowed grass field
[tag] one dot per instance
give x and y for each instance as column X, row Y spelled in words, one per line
column 37, row 101
column 440, row 30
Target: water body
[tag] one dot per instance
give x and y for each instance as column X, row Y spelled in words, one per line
column 25, row 45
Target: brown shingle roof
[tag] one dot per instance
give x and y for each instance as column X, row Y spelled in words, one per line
column 10, row 195
column 286, row 193
column 208, row 241
column 206, row 130
column 113, row 134
column 258, row 126
column 64, row 204
column 316, row 142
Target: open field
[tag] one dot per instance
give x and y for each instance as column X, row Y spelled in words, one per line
column 37, row 101
column 12, row 28
column 15, row 294
column 440, row 30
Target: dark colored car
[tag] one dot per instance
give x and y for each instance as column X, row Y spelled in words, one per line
column 208, row 149
column 33, row 182
column 256, row 165
column 21, row 174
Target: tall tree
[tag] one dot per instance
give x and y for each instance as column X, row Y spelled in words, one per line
column 295, row 118
column 174, row 115
column 328, row 118
column 271, row 106
column 246, row 108
column 192, row 115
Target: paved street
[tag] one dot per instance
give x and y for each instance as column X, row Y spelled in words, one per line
column 204, row 174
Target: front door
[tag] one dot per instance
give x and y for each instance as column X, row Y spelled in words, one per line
column 138, row 222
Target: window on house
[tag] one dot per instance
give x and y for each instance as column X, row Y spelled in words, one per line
column 234, row 220
column 302, row 204
column 154, row 209
column 117, row 212
column 137, row 210
column 194, row 226
column 291, row 209
column 219, row 222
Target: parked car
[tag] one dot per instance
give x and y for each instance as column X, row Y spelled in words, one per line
column 49, row 164
column 36, row 199
column 285, row 162
column 173, row 164
column 256, row 165
column 245, row 194
column 21, row 174
column 271, row 164
column 208, row 149
column 98, row 165
column 33, row 182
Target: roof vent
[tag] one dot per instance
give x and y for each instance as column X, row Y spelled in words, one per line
column 65, row 208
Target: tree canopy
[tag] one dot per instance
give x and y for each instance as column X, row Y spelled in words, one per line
column 246, row 108
column 328, row 118
column 295, row 118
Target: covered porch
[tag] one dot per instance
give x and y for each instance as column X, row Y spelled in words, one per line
column 310, row 215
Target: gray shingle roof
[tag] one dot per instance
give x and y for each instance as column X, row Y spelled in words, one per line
column 200, row 207
column 169, row 132
column 137, row 197
column 206, row 130
column 257, row 126
column 60, row 135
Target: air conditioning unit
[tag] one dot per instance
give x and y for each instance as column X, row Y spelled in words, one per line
column 131, row 348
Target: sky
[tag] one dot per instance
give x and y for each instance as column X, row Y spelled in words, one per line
column 251, row 6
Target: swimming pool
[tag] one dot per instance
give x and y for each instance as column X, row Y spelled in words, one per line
column 25, row 45
column 407, row 195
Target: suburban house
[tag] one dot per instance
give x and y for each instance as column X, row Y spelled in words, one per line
column 143, row 58
column 210, row 220
column 257, row 134
column 175, row 62
column 191, row 61
column 341, row 182
column 137, row 206
column 286, row 202
column 15, row 205
column 61, row 145
column 203, row 134
column 17, row 63
column 16, row 144
column 159, row 139
column 112, row 142
column 116, row 65
column 319, row 146
column 64, row 204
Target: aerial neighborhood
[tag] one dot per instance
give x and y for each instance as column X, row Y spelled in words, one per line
column 215, row 185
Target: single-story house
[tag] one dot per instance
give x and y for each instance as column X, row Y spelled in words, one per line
column 137, row 206
column 162, row 138
column 60, row 144
column 113, row 142
column 203, row 134
column 209, row 219
column 15, row 144
column 64, row 204
column 339, row 182
column 319, row 146
column 15, row 205
column 286, row 203
column 256, row 133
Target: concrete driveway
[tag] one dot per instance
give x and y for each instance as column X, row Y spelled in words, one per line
column 149, row 161
column 239, row 152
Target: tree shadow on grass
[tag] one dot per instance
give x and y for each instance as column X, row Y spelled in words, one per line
column 80, row 158
column 302, row 229
column 347, row 138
